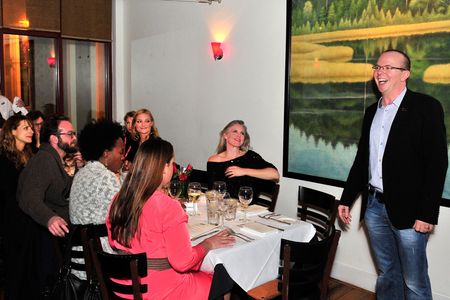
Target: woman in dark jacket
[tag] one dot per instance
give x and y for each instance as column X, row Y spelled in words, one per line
column 17, row 228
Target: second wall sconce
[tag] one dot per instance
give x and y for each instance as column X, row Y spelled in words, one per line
column 217, row 50
column 51, row 61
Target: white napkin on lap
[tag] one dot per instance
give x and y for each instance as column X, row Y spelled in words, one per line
column 257, row 229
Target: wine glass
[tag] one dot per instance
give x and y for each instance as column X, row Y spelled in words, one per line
column 245, row 198
column 220, row 187
column 194, row 192
column 174, row 189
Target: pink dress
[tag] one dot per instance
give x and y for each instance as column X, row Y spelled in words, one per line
column 164, row 233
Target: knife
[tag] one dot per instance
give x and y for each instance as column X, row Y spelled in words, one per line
column 204, row 234
column 272, row 218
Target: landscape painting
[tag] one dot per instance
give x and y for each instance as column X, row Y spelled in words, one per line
column 331, row 48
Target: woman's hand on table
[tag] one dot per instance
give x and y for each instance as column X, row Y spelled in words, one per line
column 220, row 240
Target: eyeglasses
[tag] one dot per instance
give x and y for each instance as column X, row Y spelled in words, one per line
column 387, row 68
column 68, row 133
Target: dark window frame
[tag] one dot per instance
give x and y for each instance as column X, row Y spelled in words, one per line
column 59, row 99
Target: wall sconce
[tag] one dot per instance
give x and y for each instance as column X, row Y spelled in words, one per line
column 51, row 61
column 24, row 23
column 217, row 51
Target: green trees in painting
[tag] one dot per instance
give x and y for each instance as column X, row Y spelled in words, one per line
column 313, row 16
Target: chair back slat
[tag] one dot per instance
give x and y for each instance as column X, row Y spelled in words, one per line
column 286, row 272
column 269, row 197
column 128, row 268
column 317, row 208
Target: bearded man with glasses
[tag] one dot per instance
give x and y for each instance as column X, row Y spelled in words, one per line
column 43, row 194
column 399, row 170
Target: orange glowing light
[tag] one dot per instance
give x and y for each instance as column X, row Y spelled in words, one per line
column 24, row 23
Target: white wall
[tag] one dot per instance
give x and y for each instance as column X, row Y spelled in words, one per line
column 163, row 62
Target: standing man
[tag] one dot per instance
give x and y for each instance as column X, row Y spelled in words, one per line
column 43, row 192
column 400, row 170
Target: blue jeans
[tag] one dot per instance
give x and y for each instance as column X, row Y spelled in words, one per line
column 400, row 256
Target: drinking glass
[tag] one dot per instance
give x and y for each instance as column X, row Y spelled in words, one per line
column 220, row 187
column 245, row 198
column 174, row 189
column 222, row 208
column 194, row 192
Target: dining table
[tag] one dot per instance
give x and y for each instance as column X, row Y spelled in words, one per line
column 255, row 256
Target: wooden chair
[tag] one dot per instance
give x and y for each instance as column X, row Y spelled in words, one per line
column 112, row 267
column 317, row 208
column 78, row 239
column 199, row 176
column 269, row 197
column 304, row 270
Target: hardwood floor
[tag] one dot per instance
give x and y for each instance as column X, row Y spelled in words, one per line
column 338, row 290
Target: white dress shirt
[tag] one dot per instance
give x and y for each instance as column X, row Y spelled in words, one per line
column 379, row 133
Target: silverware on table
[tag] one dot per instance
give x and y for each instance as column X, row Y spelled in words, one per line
column 240, row 235
column 271, row 217
column 271, row 226
column 204, row 234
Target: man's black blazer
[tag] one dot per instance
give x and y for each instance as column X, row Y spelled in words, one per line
column 414, row 162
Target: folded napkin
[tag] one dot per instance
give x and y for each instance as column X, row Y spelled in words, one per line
column 257, row 229
column 255, row 209
column 282, row 219
column 199, row 229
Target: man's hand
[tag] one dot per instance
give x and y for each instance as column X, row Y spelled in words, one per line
column 424, row 227
column 57, row 226
column 344, row 214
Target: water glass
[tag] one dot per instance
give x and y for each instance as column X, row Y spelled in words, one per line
column 222, row 207
column 230, row 213
column 212, row 207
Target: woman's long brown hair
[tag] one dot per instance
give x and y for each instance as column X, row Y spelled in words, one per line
column 141, row 182
column 8, row 142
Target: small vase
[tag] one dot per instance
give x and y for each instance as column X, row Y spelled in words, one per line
column 184, row 189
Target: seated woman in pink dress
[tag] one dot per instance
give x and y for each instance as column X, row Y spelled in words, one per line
column 142, row 218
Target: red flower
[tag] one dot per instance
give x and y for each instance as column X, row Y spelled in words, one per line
column 188, row 168
column 183, row 177
column 175, row 170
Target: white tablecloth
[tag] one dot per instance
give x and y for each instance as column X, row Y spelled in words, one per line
column 253, row 263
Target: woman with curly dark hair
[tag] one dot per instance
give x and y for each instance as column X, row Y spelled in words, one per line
column 95, row 184
column 17, row 228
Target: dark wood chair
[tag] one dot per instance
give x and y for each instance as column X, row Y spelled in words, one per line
column 268, row 197
column 304, row 270
column 111, row 267
column 317, row 208
column 80, row 258
column 199, row 176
